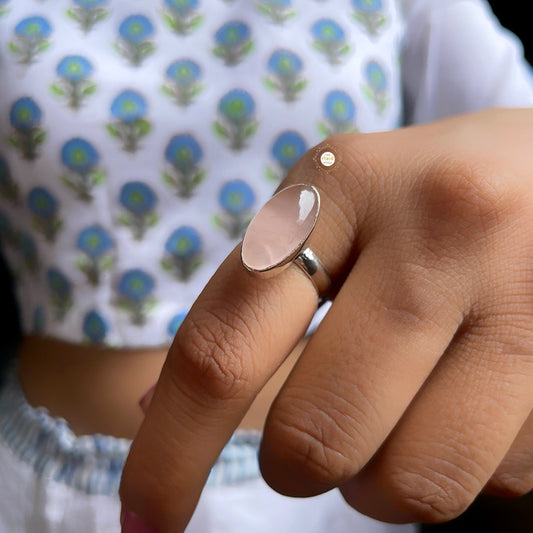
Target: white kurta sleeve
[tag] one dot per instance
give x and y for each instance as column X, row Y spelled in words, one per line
column 456, row 57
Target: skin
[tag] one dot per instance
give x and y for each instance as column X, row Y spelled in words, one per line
column 414, row 394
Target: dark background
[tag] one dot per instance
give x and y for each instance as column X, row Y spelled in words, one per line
column 513, row 16
column 487, row 514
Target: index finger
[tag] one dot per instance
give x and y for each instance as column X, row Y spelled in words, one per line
column 235, row 336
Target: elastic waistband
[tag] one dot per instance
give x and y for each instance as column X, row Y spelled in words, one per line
column 93, row 463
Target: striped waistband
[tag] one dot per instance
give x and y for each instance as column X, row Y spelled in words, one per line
column 93, row 463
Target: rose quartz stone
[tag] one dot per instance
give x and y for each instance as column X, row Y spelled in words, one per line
column 280, row 228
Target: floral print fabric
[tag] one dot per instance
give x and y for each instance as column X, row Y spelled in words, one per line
column 137, row 140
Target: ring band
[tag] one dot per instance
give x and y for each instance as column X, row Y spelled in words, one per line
column 278, row 234
column 313, row 268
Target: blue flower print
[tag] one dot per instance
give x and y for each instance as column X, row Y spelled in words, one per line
column 329, row 39
column 181, row 16
column 285, row 69
column 136, row 285
column 74, row 84
column 339, row 114
column 139, row 202
column 79, row 155
column 31, row 38
column 237, row 121
column 181, row 7
column 94, row 242
column 95, row 327
column 87, row 13
column 83, row 173
column 27, row 134
column 367, row 6
column 130, row 125
column 21, row 243
column 233, row 42
column 34, row 27
column 375, row 88
column 135, row 294
column 278, row 11
column 96, row 245
column 25, row 114
column 369, row 13
column 288, row 147
column 60, row 290
column 129, row 106
column 236, row 199
column 183, row 253
column 74, row 68
column 375, row 76
column 175, row 323
column 28, row 250
column 134, row 43
column 44, row 207
column 184, row 175
column 183, row 81
column 90, row 4
column 9, row 190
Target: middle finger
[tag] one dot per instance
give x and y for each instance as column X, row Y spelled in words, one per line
column 337, row 408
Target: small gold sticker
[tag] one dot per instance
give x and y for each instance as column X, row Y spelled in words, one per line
column 327, row 159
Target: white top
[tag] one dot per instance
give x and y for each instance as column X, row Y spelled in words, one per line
column 137, row 139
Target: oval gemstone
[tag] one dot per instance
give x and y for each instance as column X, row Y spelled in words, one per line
column 280, row 228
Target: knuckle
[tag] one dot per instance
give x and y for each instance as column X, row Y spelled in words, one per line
column 318, row 462
column 431, row 496
column 462, row 197
column 421, row 298
column 409, row 305
column 319, row 446
column 213, row 356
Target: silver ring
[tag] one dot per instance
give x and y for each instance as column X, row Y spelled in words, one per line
column 278, row 235
column 313, row 268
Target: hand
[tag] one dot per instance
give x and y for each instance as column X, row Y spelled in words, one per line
column 415, row 393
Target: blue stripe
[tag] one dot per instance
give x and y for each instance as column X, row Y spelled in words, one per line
column 93, row 463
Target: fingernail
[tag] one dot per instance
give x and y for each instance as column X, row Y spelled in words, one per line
column 131, row 523
column 144, row 402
